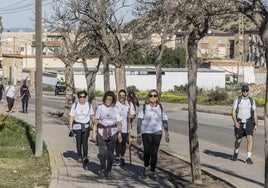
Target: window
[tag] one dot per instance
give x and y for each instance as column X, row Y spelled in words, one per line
column 222, row 40
column 205, row 40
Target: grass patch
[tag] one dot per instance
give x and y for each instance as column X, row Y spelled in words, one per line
column 18, row 165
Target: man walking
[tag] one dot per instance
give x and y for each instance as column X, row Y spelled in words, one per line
column 10, row 95
column 245, row 120
column 25, row 95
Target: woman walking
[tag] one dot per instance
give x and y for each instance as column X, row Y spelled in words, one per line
column 127, row 111
column 151, row 118
column 80, row 115
column 107, row 131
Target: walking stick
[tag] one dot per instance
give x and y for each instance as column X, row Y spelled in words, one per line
column 129, row 139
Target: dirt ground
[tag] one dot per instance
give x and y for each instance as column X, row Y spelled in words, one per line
column 179, row 172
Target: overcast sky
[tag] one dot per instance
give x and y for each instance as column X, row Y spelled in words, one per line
column 20, row 13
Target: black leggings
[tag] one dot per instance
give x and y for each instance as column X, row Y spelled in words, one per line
column 82, row 140
column 120, row 148
column 151, row 144
column 106, row 152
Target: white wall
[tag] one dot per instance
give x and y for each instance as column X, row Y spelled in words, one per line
column 206, row 80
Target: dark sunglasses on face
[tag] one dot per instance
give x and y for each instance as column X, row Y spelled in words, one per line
column 82, row 97
column 245, row 90
column 152, row 96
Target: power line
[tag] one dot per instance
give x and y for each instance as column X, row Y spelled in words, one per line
column 17, row 7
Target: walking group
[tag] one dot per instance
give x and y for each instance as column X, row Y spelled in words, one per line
column 112, row 123
column 111, row 126
column 11, row 93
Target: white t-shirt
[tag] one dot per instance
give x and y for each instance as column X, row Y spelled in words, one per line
column 123, row 111
column 244, row 108
column 10, row 91
column 81, row 114
column 152, row 118
column 107, row 116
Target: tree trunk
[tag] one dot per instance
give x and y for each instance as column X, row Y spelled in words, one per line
column 70, row 89
column 159, row 78
column 91, row 80
column 264, row 36
column 120, row 77
column 265, row 124
column 158, row 66
column 106, row 74
column 192, row 93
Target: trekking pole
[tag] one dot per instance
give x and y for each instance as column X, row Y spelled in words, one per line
column 129, row 139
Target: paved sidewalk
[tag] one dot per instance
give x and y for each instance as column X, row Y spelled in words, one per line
column 66, row 172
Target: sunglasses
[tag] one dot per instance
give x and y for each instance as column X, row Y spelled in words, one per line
column 246, row 90
column 82, row 97
column 152, row 96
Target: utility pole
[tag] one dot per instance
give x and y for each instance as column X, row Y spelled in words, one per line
column 38, row 79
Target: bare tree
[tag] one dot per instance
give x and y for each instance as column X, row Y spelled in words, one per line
column 155, row 19
column 71, row 51
column 101, row 20
column 257, row 12
column 197, row 16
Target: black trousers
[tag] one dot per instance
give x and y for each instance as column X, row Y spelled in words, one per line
column 106, row 152
column 10, row 103
column 25, row 102
column 120, row 148
column 151, row 144
column 82, row 142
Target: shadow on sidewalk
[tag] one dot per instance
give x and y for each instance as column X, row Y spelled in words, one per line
column 218, row 154
column 70, row 154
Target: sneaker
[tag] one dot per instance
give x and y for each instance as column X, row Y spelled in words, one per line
column 101, row 173
column 79, row 160
column 249, row 161
column 152, row 176
column 145, row 172
column 85, row 160
column 235, row 156
column 116, row 162
column 122, row 162
column 109, row 175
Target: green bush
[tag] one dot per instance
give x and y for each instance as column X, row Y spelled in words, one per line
column 170, row 97
column 217, row 96
column 259, row 101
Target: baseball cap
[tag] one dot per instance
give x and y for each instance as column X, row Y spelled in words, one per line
column 245, row 88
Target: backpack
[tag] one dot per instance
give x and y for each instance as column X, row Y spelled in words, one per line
column 160, row 105
column 239, row 101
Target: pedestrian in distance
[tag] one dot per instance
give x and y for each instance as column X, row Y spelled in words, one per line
column 152, row 119
column 126, row 111
column 107, row 131
column 131, row 97
column 10, row 91
column 79, row 122
column 25, row 95
column 245, row 120
column 2, row 90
